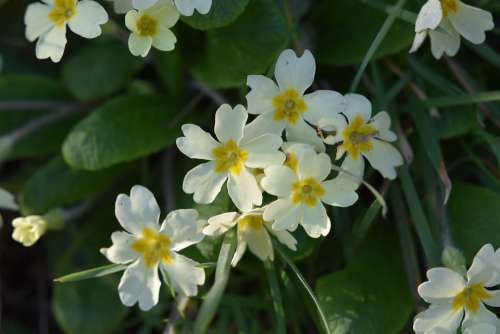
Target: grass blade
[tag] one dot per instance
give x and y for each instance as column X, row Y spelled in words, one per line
column 460, row 100
column 376, row 43
column 429, row 245
column 310, row 293
column 213, row 297
column 91, row 273
column 361, row 229
column 274, row 286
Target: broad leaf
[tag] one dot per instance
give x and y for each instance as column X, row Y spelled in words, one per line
column 222, row 13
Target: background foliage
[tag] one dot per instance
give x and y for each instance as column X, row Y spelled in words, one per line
column 111, row 121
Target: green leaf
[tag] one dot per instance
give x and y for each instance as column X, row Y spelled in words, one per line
column 248, row 46
column 91, row 273
column 19, row 97
column 474, row 213
column 222, row 13
column 460, row 100
column 371, row 296
column 212, row 299
column 100, row 69
column 124, row 129
column 56, row 184
column 336, row 32
column 275, row 289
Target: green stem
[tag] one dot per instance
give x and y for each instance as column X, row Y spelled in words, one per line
column 274, row 287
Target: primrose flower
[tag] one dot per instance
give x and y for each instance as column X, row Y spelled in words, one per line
column 445, row 21
column 456, row 300
column 301, row 192
column 185, row 7
column 230, row 158
column 47, row 22
column 363, row 136
column 151, row 27
column 253, row 232
column 27, row 230
column 285, row 106
column 147, row 247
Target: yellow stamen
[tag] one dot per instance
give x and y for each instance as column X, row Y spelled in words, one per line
column 470, row 298
column 358, row 137
column 307, row 191
column 292, row 161
column 254, row 222
column 147, row 25
column 449, row 6
column 289, row 105
column 63, row 11
column 154, row 247
column 229, row 157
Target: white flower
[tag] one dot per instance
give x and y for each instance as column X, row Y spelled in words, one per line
column 27, row 230
column 185, row 7
column 302, row 191
column 445, row 21
column 148, row 247
column 229, row 159
column 47, row 22
column 363, row 136
column 122, row 6
column 151, row 27
column 285, row 106
column 459, row 300
column 253, row 232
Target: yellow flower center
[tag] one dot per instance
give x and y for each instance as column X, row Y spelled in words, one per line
column 154, row 247
column 307, row 191
column 229, row 157
column 63, row 10
column 291, row 161
column 449, row 6
column 470, row 298
column 289, row 105
column 358, row 137
column 147, row 25
column 254, row 222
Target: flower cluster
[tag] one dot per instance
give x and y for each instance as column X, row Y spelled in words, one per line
column 445, row 21
column 252, row 158
column 148, row 20
column 459, row 301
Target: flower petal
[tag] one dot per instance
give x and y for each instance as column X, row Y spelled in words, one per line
column 261, row 125
column 258, row 242
column 138, row 211
column 229, row 123
column 139, row 45
column 37, row 20
column 51, row 44
column 88, row 19
column 285, row 237
column 471, row 22
column 385, row 158
column 220, row 224
column 323, row 104
column 295, row 72
column 430, row 16
column 301, row 132
column 446, row 41
column 131, row 19
column 443, row 285
column 485, row 268
column 187, row 7
column 382, row 122
column 143, row 4
column 315, row 220
column 355, row 167
column 284, row 214
column 438, row 318
column 262, row 92
column 165, row 40
column 184, row 274
column 165, row 12
column 278, row 180
column 240, row 251
column 204, row 182
column 317, row 166
column 418, row 41
column 244, row 190
column 332, row 128
column 474, row 321
column 263, row 151
column 121, row 251
column 196, row 143
column 341, row 191
column 357, row 105
column 141, row 284
column 183, row 228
